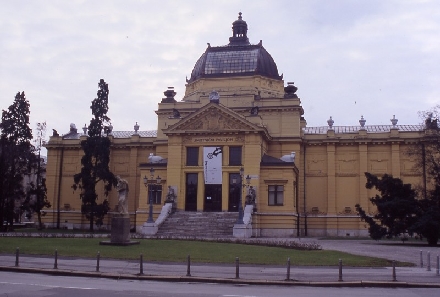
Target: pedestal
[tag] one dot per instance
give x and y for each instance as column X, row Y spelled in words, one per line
column 149, row 229
column 242, row 231
column 120, row 233
column 120, row 229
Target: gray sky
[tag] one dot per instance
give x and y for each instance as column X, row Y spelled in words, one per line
column 348, row 58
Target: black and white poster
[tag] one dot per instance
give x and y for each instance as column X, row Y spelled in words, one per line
column 212, row 160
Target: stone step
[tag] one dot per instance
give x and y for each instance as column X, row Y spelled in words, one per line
column 201, row 224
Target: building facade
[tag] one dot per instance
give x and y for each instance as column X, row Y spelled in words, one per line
column 237, row 112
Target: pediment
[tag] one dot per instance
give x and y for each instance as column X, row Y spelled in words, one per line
column 213, row 118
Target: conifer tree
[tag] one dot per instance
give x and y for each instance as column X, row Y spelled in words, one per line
column 404, row 208
column 95, row 162
column 396, row 204
column 16, row 152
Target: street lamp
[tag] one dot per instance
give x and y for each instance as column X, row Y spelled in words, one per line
column 151, row 186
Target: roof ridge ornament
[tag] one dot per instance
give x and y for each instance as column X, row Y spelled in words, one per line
column 394, row 122
column 362, row 122
column 290, row 90
column 169, row 96
column 136, row 128
column 330, row 123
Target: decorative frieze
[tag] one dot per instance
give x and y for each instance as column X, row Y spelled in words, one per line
column 211, row 139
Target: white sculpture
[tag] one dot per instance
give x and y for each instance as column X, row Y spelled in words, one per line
column 154, row 159
column 289, row 158
column 122, row 188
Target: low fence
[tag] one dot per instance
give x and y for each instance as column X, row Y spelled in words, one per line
column 199, row 272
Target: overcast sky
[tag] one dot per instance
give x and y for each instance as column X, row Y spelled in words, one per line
column 347, row 58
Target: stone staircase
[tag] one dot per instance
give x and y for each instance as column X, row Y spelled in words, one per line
column 198, row 224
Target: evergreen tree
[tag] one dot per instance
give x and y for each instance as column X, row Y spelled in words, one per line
column 95, row 162
column 16, row 152
column 397, row 207
column 402, row 209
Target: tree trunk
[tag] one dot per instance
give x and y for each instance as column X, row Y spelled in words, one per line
column 432, row 240
column 91, row 219
column 40, row 224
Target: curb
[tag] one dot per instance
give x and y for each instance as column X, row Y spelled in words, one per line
column 165, row 278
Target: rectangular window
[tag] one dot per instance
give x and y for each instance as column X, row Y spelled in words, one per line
column 276, row 195
column 235, row 156
column 192, row 156
column 156, row 194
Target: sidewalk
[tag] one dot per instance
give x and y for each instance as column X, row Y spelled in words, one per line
column 215, row 273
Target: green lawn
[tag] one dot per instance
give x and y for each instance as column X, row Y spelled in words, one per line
column 177, row 251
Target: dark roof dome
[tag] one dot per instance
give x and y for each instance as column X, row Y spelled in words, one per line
column 239, row 57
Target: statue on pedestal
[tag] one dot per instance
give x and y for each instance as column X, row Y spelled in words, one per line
column 120, row 232
column 122, row 188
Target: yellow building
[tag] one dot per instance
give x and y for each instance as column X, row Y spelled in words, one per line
column 237, row 112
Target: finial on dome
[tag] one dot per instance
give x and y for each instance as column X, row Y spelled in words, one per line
column 239, row 32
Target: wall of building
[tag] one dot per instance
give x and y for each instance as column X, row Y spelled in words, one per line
column 320, row 190
column 335, row 180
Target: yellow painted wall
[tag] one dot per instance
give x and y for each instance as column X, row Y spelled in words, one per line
column 322, row 188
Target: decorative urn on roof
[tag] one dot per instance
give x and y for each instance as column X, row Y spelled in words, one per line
column 362, row 122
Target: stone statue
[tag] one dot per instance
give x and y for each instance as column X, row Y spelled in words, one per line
column 171, row 195
column 176, row 113
column 250, row 197
column 122, row 188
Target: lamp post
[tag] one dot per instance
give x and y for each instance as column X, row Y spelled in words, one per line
column 151, row 186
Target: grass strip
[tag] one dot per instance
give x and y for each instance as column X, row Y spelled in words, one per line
column 158, row 250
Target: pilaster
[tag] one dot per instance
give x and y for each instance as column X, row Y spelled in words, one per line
column 363, row 167
column 331, row 176
column 395, row 160
column 225, row 190
column 133, row 179
column 200, row 191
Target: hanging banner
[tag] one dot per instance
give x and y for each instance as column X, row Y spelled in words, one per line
column 212, row 160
